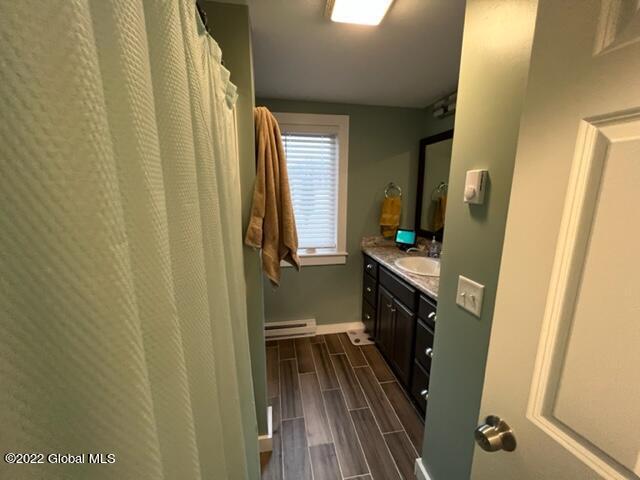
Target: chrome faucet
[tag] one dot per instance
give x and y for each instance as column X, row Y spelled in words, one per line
column 414, row 249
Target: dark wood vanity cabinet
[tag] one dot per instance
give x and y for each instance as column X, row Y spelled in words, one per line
column 369, row 317
column 396, row 324
column 370, row 295
column 370, row 290
column 384, row 332
column 402, row 321
column 403, row 328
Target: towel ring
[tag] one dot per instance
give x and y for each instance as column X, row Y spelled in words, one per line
column 440, row 190
column 391, row 187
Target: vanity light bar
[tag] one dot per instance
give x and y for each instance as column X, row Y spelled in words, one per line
column 445, row 106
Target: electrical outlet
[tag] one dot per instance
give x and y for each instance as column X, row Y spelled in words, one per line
column 470, row 295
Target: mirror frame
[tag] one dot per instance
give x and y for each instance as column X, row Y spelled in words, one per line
column 446, row 135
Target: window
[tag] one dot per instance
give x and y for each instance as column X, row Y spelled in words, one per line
column 316, row 147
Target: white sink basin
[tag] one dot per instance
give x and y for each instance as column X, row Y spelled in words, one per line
column 420, row 266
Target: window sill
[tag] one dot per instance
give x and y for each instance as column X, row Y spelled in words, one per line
column 332, row 258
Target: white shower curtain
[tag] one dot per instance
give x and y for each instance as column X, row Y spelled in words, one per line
column 123, row 315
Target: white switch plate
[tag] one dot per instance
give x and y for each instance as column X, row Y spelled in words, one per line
column 474, row 186
column 470, row 295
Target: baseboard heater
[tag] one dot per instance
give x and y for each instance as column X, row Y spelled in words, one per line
column 290, row 329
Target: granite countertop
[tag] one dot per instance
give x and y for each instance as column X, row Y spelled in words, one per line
column 386, row 255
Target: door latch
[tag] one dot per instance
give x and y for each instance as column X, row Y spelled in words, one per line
column 495, row 434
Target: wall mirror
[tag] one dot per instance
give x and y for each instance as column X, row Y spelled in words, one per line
column 433, row 183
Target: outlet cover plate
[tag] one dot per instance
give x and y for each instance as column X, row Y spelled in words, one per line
column 470, row 295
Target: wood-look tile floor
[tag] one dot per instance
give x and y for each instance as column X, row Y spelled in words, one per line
column 338, row 413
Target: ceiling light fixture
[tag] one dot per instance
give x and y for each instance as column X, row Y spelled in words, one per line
column 361, row 12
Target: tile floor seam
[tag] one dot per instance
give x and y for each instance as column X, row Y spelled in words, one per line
column 366, row 399
column 395, row 463
column 395, row 380
column 326, row 412
column 386, row 436
column 392, row 409
column 304, row 420
column 357, row 437
column 351, row 418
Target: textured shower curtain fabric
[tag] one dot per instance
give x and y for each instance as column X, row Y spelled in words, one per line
column 122, row 299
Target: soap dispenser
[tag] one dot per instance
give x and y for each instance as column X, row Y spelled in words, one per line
column 434, row 248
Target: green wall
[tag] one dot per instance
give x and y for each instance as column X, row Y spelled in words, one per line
column 231, row 29
column 495, row 63
column 383, row 147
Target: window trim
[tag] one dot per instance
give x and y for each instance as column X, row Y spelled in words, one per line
column 338, row 124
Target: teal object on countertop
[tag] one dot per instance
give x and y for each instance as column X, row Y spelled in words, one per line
column 405, row 237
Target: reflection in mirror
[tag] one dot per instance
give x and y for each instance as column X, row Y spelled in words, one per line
column 433, row 183
column 436, row 182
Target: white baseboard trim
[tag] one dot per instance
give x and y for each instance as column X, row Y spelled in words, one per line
column 420, row 471
column 338, row 327
column 265, row 442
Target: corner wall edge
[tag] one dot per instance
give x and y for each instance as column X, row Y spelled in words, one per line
column 421, row 471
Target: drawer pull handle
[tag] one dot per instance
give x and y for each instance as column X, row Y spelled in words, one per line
column 432, row 315
column 429, row 352
column 367, row 316
column 389, row 305
column 425, row 393
column 369, row 266
column 393, row 310
column 368, row 289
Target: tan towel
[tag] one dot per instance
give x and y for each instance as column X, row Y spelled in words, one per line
column 439, row 213
column 390, row 216
column 272, row 226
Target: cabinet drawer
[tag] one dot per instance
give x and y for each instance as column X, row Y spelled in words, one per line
column 369, row 289
column 369, row 318
column 371, row 267
column 424, row 341
column 398, row 288
column 419, row 383
column 427, row 311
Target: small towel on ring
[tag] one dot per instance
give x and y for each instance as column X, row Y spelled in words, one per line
column 390, row 216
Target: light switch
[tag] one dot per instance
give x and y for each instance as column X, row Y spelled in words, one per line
column 470, row 295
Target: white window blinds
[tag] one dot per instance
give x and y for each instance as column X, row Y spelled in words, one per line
column 312, row 164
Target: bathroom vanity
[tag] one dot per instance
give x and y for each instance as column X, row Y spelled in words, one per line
column 399, row 311
column 399, row 307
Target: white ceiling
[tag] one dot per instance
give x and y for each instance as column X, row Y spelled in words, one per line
column 411, row 59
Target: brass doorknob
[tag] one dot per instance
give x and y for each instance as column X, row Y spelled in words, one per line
column 495, row 434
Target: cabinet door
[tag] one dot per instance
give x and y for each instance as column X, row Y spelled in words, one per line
column 403, row 339
column 384, row 336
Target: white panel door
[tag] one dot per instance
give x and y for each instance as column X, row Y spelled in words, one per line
column 564, row 358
